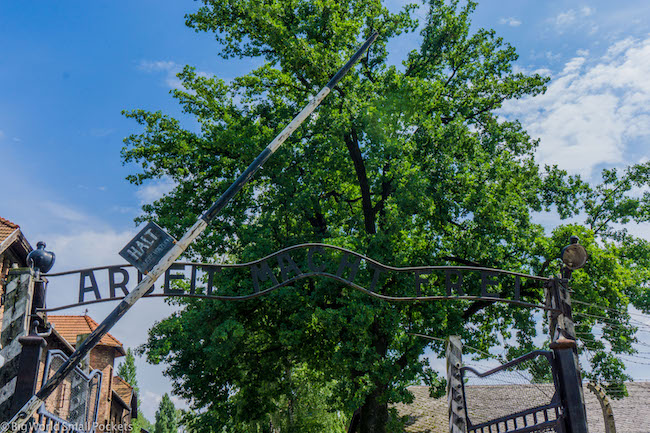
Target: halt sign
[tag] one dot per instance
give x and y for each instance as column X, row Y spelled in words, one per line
column 147, row 247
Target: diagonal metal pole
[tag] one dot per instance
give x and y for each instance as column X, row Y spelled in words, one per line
column 28, row 410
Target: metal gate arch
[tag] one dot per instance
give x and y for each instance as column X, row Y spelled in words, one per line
column 562, row 414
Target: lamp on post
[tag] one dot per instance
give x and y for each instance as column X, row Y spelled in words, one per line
column 574, row 256
column 563, row 339
column 41, row 262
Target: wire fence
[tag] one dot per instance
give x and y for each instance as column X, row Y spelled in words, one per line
column 521, row 388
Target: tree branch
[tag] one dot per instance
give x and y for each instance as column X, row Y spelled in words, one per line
column 386, row 190
column 352, row 143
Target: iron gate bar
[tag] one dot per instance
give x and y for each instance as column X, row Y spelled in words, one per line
column 17, row 422
column 309, row 275
column 534, row 354
column 548, row 423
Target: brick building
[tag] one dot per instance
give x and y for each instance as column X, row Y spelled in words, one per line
column 117, row 400
column 92, row 397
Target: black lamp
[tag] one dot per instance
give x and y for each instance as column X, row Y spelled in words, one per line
column 41, row 260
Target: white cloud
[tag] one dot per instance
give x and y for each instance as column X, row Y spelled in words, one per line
column 173, row 82
column 511, row 21
column 595, row 110
column 101, row 132
column 124, row 210
column 169, row 67
column 574, row 19
column 87, row 248
column 517, row 69
column 148, row 403
column 155, row 190
column 564, row 19
column 159, row 65
column 64, row 212
column 640, row 230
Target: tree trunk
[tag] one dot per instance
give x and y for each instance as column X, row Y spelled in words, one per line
column 374, row 415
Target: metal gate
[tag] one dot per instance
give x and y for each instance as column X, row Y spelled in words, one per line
column 520, row 396
column 73, row 406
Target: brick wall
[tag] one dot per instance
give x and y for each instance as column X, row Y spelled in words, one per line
column 103, row 358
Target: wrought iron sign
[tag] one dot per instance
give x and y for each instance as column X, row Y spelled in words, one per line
column 288, row 266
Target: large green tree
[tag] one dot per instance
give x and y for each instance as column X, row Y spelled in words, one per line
column 410, row 165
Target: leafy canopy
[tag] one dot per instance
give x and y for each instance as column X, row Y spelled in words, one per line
column 408, row 164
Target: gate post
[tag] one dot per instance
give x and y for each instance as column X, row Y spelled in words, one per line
column 455, row 400
column 15, row 324
column 573, row 400
column 27, row 375
column 563, row 339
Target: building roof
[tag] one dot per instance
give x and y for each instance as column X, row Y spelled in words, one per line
column 71, row 326
column 6, row 228
column 123, row 389
column 118, row 399
column 428, row 415
column 126, row 393
column 12, row 237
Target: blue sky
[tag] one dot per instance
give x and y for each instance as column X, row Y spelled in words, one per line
column 68, row 69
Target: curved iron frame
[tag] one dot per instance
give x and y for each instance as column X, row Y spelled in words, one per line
column 321, row 274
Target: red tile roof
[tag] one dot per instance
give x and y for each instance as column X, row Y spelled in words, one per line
column 123, row 389
column 6, row 228
column 71, row 326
